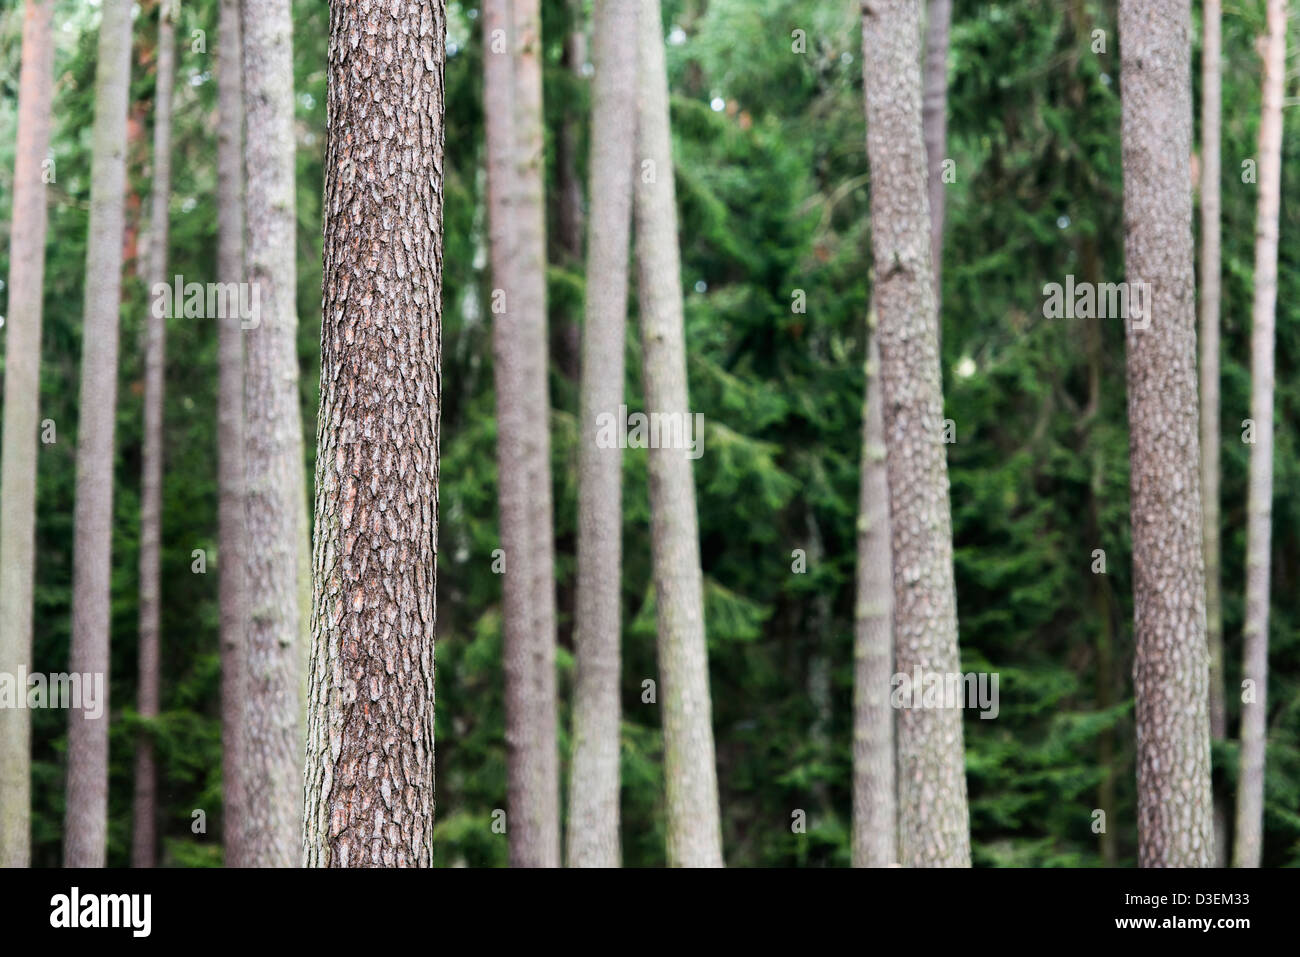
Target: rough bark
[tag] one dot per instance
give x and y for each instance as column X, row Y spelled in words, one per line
column 934, row 119
column 1172, row 660
column 272, row 745
column 21, row 415
column 144, row 811
column 1249, row 840
column 875, row 801
column 86, row 817
column 230, row 432
column 694, row 831
column 593, row 836
column 370, row 724
column 934, row 829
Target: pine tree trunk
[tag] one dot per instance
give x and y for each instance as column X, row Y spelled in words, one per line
column 1171, row 664
column 144, row 827
column 86, row 816
column 272, row 745
column 1249, row 842
column 935, row 122
column 593, row 835
column 1211, row 98
column 694, row 831
column 22, row 331
column 933, row 825
column 370, row 725
column 875, row 799
column 230, row 432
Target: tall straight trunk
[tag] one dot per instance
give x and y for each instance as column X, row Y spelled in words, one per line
column 694, row 831
column 272, row 745
column 1249, row 841
column 230, row 432
column 593, row 838
column 875, row 798
column 934, row 119
column 144, row 811
column 370, row 724
column 21, row 413
column 86, row 817
column 1171, row 666
column 934, row 828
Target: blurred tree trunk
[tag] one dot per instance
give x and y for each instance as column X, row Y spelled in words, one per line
column 86, row 817
column 21, row 415
column 370, row 725
column 230, row 432
column 875, row 797
column 1171, row 675
column 1248, row 846
column 144, row 811
column 272, row 745
column 593, row 838
column 935, row 121
column 694, row 831
column 934, row 829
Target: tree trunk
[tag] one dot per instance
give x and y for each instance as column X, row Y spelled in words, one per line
column 272, row 749
column 370, row 724
column 935, row 121
column 934, row 829
column 144, row 812
column 21, row 414
column 86, row 817
column 593, row 836
column 1171, row 660
column 875, row 800
column 1249, row 841
column 694, row 831
column 230, row 432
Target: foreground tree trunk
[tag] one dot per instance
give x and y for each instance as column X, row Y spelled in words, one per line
column 1249, row 843
column 272, row 745
column 21, row 414
column 370, row 725
column 934, row 829
column 694, row 831
column 1171, row 663
column 144, row 811
column 230, row 433
column 593, row 838
column 875, row 803
column 86, row 817
column 934, row 115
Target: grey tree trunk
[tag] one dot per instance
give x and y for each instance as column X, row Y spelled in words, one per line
column 1171, row 666
column 1211, row 99
column 144, row 811
column 1249, row 842
column 21, row 415
column 86, row 816
column 694, row 831
column 875, row 801
column 272, row 745
column 934, row 113
column 230, row 432
column 934, row 829
column 370, row 797
column 593, row 831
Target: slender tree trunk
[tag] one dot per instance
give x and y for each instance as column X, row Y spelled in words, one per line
column 21, row 414
column 1211, row 98
column 694, row 831
column 934, row 829
column 144, row 812
column 1171, row 667
column 272, row 746
column 593, row 838
column 875, row 799
column 1249, row 841
column 935, row 121
column 370, row 725
column 230, row 432
column 86, row 817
